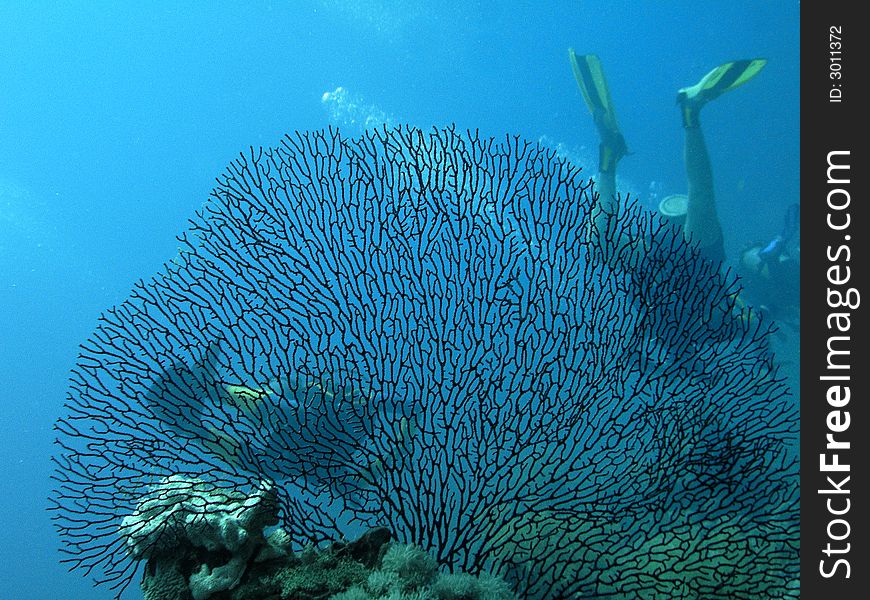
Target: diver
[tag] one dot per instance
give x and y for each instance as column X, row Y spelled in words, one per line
column 771, row 271
column 695, row 212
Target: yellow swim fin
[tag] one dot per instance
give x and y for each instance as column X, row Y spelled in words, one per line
column 246, row 399
column 590, row 77
column 723, row 78
column 224, row 446
column 593, row 85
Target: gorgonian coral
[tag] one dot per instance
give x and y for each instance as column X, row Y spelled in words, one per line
column 416, row 330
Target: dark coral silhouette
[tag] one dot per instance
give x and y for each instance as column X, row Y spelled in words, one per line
column 414, row 330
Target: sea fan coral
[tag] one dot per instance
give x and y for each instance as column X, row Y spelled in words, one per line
column 414, row 329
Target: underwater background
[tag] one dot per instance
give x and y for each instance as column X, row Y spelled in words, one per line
column 115, row 120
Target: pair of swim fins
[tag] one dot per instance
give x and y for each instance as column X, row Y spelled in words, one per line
column 593, row 85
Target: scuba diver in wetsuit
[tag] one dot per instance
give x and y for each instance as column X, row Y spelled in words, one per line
column 771, row 272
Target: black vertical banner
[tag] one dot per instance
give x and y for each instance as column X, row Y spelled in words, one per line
column 835, row 348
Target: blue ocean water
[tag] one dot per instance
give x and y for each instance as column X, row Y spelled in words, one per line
column 115, row 119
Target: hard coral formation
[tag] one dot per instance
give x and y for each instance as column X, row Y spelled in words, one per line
column 194, row 552
column 216, row 532
column 163, row 579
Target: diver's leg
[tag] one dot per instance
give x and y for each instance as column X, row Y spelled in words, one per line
column 593, row 85
column 607, row 204
column 702, row 221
